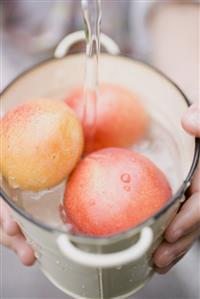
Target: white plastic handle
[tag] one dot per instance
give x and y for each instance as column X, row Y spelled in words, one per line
column 107, row 260
column 75, row 37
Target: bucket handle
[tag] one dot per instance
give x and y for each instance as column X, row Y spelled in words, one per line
column 67, row 42
column 106, row 260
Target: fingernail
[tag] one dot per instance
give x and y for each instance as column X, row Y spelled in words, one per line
column 170, row 258
column 165, row 269
column 167, row 259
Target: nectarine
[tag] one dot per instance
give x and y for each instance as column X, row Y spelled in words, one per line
column 41, row 142
column 113, row 190
column 121, row 119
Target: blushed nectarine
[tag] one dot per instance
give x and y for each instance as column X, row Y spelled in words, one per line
column 41, row 142
column 112, row 190
column 121, row 119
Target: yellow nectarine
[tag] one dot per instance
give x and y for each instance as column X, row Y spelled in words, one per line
column 41, row 142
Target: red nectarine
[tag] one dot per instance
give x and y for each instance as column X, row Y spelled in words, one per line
column 113, row 190
column 121, row 119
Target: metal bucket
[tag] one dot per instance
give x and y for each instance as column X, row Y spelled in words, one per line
column 117, row 266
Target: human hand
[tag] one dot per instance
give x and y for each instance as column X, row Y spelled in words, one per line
column 185, row 228
column 12, row 237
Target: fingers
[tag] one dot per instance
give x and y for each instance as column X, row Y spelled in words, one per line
column 187, row 220
column 8, row 224
column 191, row 120
column 19, row 245
column 179, row 236
column 168, row 254
column 12, row 237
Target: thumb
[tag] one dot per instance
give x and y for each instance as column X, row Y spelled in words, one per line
column 191, row 120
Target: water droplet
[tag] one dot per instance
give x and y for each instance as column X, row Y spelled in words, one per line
column 12, row 183
column 53, row 156
column 126, row 178
column 119, row 268
column 37, row 254
column 127, row 188
column 83, row 286
column 57, row 262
